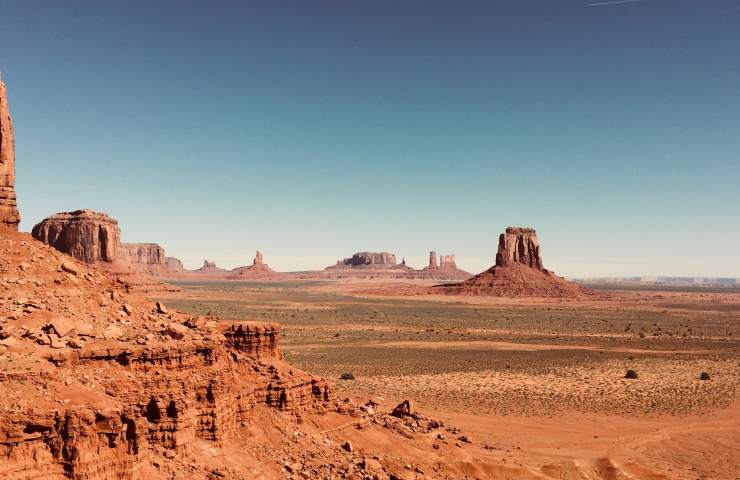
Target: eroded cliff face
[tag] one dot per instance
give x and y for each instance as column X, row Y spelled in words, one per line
column 9, row 215
column 95, row 379
column 519, row 245
column 142, row 254
column 86, row 235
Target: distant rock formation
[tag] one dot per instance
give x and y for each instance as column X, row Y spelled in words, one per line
column 446, row 269
column 257, row 270
column 142, row 254
column 9, row 215
column 518, row 272
column 258, row 259
column 447, row 261
column 174, row 264
column 209, row 267
column 86, row 235
column 433, row 265
column 362, row 259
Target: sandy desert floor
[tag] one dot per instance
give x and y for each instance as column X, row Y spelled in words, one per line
column 540, row 383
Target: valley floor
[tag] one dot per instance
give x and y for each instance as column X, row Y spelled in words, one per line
column 539, row 383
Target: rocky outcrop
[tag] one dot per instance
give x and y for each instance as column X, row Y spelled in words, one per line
column 209, row 267
column 444, row 270
column 86, row 235
column 142, row 254
column 519, row 245
column 363, row 259
column 9, row 215
column 258, row 270
column 518, row 272
column 174, row 264
column 98, row 382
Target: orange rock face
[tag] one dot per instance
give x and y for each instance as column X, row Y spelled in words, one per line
column 96, row 379
column 9, row 215
column 519, row 245
column 86, row 235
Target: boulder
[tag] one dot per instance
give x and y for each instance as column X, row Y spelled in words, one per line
column 404, row 409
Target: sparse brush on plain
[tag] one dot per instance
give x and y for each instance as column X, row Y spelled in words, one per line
column 705, row 376
column 347, row 376
column 631, row 374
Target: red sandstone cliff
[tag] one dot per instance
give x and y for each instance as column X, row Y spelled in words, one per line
column 86, row 235
column 9, row 215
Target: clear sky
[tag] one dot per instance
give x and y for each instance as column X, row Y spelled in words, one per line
column 311, row 130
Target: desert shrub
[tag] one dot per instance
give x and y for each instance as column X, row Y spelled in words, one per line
column 631, row 374
column 705, row 376
column 347, row 376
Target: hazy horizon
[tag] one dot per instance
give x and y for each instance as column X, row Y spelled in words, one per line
column 313, row 130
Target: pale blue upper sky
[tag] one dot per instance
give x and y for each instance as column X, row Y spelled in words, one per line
column 311, row 130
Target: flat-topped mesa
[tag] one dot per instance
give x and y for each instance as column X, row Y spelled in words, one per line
column 142, row 254
column 361, row 259
column 9, row 215
column 519, row 245
column 86, row 235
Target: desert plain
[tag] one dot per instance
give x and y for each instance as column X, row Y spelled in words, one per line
column 538, row 383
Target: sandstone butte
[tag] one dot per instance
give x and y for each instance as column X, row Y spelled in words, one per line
column 95, row 238
column 257, row 270
column 9, row 215
column 518, row 272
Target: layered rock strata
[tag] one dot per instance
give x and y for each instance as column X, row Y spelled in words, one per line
column 9, row 215
column 94, row 386
column 519, row 245
column 86, row 235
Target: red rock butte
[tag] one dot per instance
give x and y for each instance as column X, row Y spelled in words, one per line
column 518, row 272
column 86, row 235
column 9, row 215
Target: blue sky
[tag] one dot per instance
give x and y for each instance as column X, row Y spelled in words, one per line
column 311, row 130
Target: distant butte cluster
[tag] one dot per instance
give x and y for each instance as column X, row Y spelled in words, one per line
column 95, row 238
